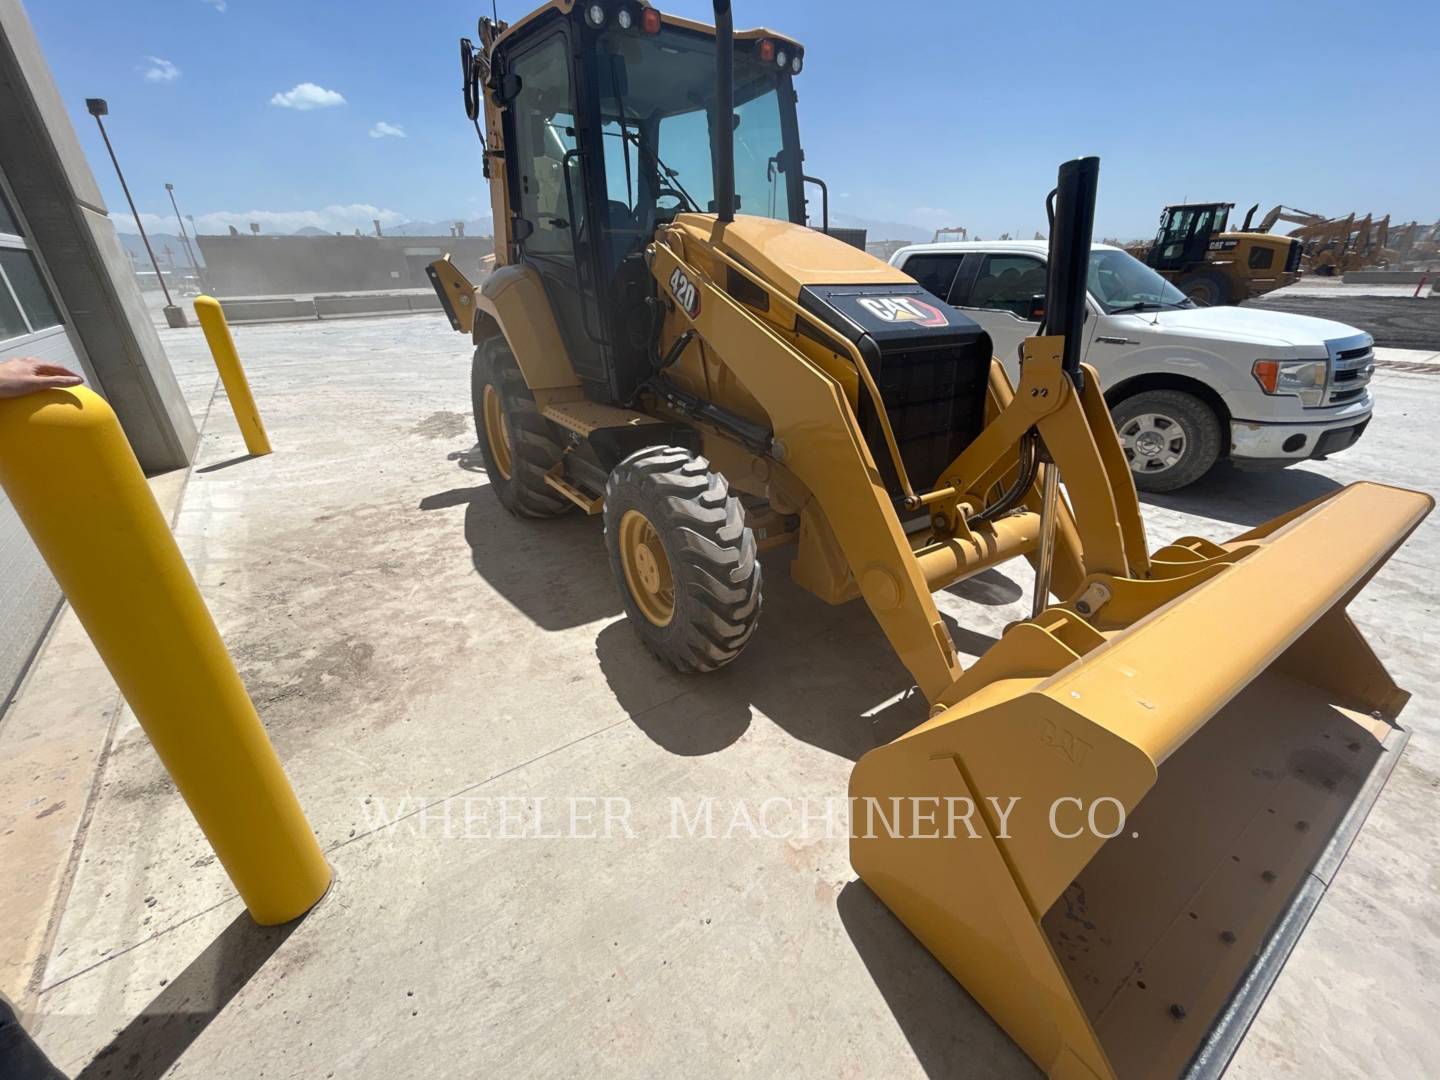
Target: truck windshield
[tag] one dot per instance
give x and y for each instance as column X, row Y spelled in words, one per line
column 1119, row 282
column 657, row 104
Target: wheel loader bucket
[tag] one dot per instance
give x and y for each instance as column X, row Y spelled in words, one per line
column 1158, row 804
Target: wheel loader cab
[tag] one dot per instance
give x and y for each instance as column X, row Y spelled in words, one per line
column 609, row 118
column 1185, row 233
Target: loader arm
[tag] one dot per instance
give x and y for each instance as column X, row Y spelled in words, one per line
column 817, row 438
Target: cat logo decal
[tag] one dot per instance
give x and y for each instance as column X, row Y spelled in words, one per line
column 903, row 309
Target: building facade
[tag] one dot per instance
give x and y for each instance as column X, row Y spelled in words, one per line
column 66, row 295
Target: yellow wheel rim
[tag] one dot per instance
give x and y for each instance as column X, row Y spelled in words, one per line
column 497, row 432
column 647, row 570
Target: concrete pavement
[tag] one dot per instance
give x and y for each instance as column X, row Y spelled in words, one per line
column 415, row 651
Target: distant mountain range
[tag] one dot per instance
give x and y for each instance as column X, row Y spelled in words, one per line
column 881, row 230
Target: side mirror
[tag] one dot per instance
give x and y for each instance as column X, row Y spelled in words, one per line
column 1035, row 311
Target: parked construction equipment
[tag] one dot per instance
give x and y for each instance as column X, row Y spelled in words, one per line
column 1413, row 246
column 1335, row 247
column 1212, row 265
column 664, row 343
column 1329, row 246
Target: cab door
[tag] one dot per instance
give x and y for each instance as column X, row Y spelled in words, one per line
column 548, row 192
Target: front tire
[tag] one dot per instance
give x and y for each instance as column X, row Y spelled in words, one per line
column 683, row 558
column 518, row 444
column 1170, row 438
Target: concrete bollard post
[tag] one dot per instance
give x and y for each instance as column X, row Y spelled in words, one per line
column 73, row 479
column 237, row 387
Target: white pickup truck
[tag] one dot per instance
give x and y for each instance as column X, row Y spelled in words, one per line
column 1186, row 385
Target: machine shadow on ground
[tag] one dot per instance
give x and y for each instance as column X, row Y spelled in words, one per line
column 150, row 1044
column 825, row 674
column 554, row 571
column 1243, row 497
column 948, row 1031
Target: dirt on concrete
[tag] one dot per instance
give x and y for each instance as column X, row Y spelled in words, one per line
column 417, row 654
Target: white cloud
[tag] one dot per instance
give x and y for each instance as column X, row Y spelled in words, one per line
column 218, row 5
column 382, row 130
column 308, row 96
column 335, row 218
column 161, row 70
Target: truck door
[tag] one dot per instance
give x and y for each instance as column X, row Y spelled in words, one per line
column 1005, row 295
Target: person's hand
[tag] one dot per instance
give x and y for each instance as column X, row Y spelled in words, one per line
column 24, row 375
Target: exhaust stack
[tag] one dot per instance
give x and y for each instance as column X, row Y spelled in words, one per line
column 723, row 138
column 1070, row 235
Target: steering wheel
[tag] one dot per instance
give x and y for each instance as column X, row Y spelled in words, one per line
column 664, row 191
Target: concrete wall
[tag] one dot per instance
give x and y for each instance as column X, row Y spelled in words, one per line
column 285, row 309
column 72, row 231
column 1390, row 277
column 281, row 265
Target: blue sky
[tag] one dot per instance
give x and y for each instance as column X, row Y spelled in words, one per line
column 930, row 114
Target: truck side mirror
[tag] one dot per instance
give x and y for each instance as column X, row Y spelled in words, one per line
column 1035, row 311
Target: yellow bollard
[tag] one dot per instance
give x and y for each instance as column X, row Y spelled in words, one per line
column 237, row 387
column 74, row 481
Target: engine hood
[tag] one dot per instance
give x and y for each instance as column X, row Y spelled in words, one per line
column 1252, row 325
column 791, row 256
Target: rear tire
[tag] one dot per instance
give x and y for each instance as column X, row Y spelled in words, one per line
column 1170, row 438
column 518, row 443
column 1209, row 289
column 683, row 558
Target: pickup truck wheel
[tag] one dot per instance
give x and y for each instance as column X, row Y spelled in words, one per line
column 1209, row 289
column 1170, row 438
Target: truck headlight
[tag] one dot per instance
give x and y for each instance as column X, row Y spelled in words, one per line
column 1304, row 379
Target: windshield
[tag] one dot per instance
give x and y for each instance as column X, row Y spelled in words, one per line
column 1119, row 282
column 657, row 103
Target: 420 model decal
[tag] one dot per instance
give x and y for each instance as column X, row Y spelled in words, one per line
column 685, row 292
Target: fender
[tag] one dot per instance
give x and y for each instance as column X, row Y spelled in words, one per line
column 514, row 300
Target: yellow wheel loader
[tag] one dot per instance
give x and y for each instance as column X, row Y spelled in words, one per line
column 1162, row 766
column 1212, row 264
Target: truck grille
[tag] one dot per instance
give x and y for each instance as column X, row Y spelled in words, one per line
column 1350, row 374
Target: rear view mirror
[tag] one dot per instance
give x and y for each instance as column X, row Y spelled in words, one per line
column 1035, row 311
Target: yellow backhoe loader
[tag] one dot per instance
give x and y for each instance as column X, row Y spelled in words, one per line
column 665, row 344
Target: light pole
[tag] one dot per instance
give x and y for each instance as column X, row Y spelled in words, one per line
column 185, row 238
column 174, row 316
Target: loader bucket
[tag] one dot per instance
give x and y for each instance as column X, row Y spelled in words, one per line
column 1231, row 739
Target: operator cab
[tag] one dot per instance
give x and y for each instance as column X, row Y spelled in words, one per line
column 609, row 114
column 1185, row 233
